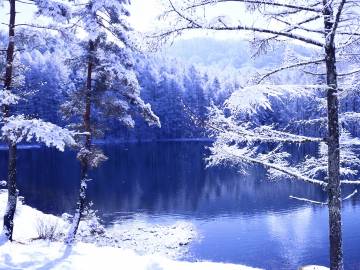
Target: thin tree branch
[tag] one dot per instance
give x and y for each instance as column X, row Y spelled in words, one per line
column 292, row 138
column 350, row 72
column 350, row 182
column 260, row 2
column 196, row 25
column 273, row 166
column 316, row 61
column 336, row 22
column 307, row 200
column 324, row 203
column 351, row 195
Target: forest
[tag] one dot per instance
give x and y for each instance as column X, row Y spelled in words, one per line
column 206, row 115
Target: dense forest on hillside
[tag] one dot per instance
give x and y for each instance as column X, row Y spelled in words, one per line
column 180, row 83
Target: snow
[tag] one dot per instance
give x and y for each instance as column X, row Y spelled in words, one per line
column 145, row 249
column 165, row 240
column 19, row 128
column 253, row 98
column 45, row 255
column 26, row 219
column 8, row 98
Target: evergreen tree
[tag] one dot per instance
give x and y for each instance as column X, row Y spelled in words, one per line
column 105, row 84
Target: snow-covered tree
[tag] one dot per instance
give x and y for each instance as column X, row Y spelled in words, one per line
column 17, row 128
column 105, row 83
column 330, row 27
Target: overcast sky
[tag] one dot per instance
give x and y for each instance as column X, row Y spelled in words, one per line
column 143, row 17
column 143, row 13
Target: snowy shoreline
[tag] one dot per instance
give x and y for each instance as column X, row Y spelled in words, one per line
column 141, row 251
column 136, row 245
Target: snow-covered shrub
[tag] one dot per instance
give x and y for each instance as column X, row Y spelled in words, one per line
column 92, row 221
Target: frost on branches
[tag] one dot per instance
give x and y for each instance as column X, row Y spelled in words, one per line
column 93, row 157
column 241, row 143
column 56, row 10
column 18, row 129
column 8, row 98
column 105, row 84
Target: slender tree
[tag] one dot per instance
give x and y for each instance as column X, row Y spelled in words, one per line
column 313, row 23
column 19, row 128
column 106, row 84
column 11, row 181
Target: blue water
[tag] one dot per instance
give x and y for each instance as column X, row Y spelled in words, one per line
column 241, row 219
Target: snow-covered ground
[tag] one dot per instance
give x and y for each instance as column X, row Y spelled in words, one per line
column 50, row 255
column 133, row 245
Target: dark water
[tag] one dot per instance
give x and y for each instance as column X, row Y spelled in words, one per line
column 241, row 219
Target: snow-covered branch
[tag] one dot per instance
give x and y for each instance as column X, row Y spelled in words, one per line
column 201, row 3
column 220, row 125
column 291, row 66
column 350, row 195
column 187, row 21
column 223, row 153
column 250, row 99
column 331, row 35
column 323, row 203
column 19, row 128
column 8, row 98
column 350, row 182
column 308, row 200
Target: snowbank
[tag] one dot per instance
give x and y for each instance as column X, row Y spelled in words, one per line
column 27, row 219
column 169, row 240
column 44, row 255
column 134, row 245
column 145, row 238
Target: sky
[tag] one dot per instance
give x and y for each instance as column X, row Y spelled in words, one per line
column 144, row 17
column 144, row 13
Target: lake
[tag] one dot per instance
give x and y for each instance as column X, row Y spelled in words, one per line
column 244, row 219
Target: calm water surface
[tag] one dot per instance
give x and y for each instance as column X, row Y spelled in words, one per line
column 241, row 219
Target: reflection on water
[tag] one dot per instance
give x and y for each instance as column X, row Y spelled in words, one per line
column 242, row 219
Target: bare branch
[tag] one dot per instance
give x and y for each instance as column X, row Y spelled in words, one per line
column 195, row 25
column 336, row 22
column 299, row 25
column 266, row 31
column 350, row 72
column 260, row 2
column 316, row 61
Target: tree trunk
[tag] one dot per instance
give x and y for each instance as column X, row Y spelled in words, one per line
column 84, row 162
column 79, row 208
column 12, row 193
column 334, row 188
column 8, row 225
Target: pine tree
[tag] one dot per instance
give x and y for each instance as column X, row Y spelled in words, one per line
column 106, row 84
